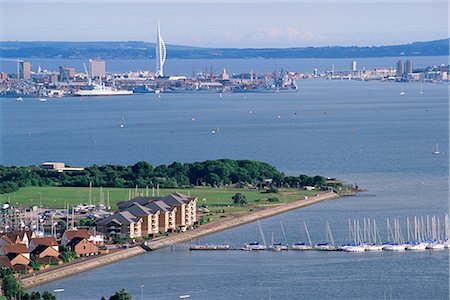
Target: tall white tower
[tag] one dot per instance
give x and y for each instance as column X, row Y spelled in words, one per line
column 160, row 53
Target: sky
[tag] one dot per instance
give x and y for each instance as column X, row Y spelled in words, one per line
column 228, row 24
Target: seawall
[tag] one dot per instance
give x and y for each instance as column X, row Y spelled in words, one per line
column 237, row 221
column 80, row 266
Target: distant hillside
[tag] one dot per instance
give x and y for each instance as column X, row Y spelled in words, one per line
column 136, row 49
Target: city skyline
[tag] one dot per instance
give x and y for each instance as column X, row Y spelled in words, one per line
column 228, row 25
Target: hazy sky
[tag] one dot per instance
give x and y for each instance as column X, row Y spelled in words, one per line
column 230, row 24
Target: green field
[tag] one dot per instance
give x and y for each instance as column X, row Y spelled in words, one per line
column 56, row 197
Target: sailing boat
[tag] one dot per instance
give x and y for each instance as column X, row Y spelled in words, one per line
column 402, row 92
column 436, row 150
column 329, row 245
column 256, row 245
column 301, row 245
column 356, row 234
column 421, row 88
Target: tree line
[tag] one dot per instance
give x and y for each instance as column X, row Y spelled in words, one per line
column 208, row 173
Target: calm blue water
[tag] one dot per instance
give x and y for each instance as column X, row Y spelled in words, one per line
column 358, row 131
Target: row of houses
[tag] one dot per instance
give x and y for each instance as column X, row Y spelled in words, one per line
column 149, row 216
column 19, row 248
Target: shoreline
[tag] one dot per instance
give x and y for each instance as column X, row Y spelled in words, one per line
column 214, row 227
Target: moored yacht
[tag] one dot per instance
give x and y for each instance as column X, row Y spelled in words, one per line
column 394, row 247
column 301, row 246
column 415, row 246
column 254, row 246
column 373, row 247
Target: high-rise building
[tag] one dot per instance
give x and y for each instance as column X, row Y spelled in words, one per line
column 97, row 68
column 354, row 65
column 160, row 53
column 24, row 70
column 408, row 67
column 400, row 68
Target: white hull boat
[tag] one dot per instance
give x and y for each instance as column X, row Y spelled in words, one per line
column 416, row 247
column 436, row 246
column 392, row 247
column 373, row 247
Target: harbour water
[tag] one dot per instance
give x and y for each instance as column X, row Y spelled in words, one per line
column 362, row 132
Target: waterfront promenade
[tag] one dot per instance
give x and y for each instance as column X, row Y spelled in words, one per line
column 88, row 263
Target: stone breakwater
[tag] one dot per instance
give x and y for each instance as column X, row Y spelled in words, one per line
column 80, row 266
column 237, row 221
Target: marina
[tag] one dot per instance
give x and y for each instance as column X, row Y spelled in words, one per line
column 426, row 233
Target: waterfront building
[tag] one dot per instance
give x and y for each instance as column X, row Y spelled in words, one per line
column 150, row 219
column 121, row 224
column 20, row 236
column 15, row 248
column 24, row 70
column 69, row 235
column 43, row 241
column 400, row 68
column 167, row 215
column 16, row 262
column 160, row 53
column 82, row 247
column 97, row 68
column 408, row 67
column 186, row 207
column 45, row 254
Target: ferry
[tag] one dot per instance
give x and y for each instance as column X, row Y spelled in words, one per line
column 102, row 90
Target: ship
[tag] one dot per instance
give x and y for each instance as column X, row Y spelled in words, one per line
column 102, row 90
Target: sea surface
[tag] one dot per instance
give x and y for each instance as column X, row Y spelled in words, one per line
column 362, row 132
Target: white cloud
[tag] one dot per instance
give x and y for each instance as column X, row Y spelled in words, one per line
column 275, row 37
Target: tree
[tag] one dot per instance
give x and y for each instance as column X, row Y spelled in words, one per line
column 239, row 199
column 46, row 295
column 121, row 295
column 12, row 287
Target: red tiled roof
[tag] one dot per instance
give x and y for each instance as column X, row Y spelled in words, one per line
column 5, row 262
column 48, row 241
column 15, row 248
column 82, row 233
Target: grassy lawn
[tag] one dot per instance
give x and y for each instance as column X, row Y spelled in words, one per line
column 56, row 197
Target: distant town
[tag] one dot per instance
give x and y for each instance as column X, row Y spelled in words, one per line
column 94, row 80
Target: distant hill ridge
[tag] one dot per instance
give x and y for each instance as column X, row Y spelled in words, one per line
column 138, row 49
